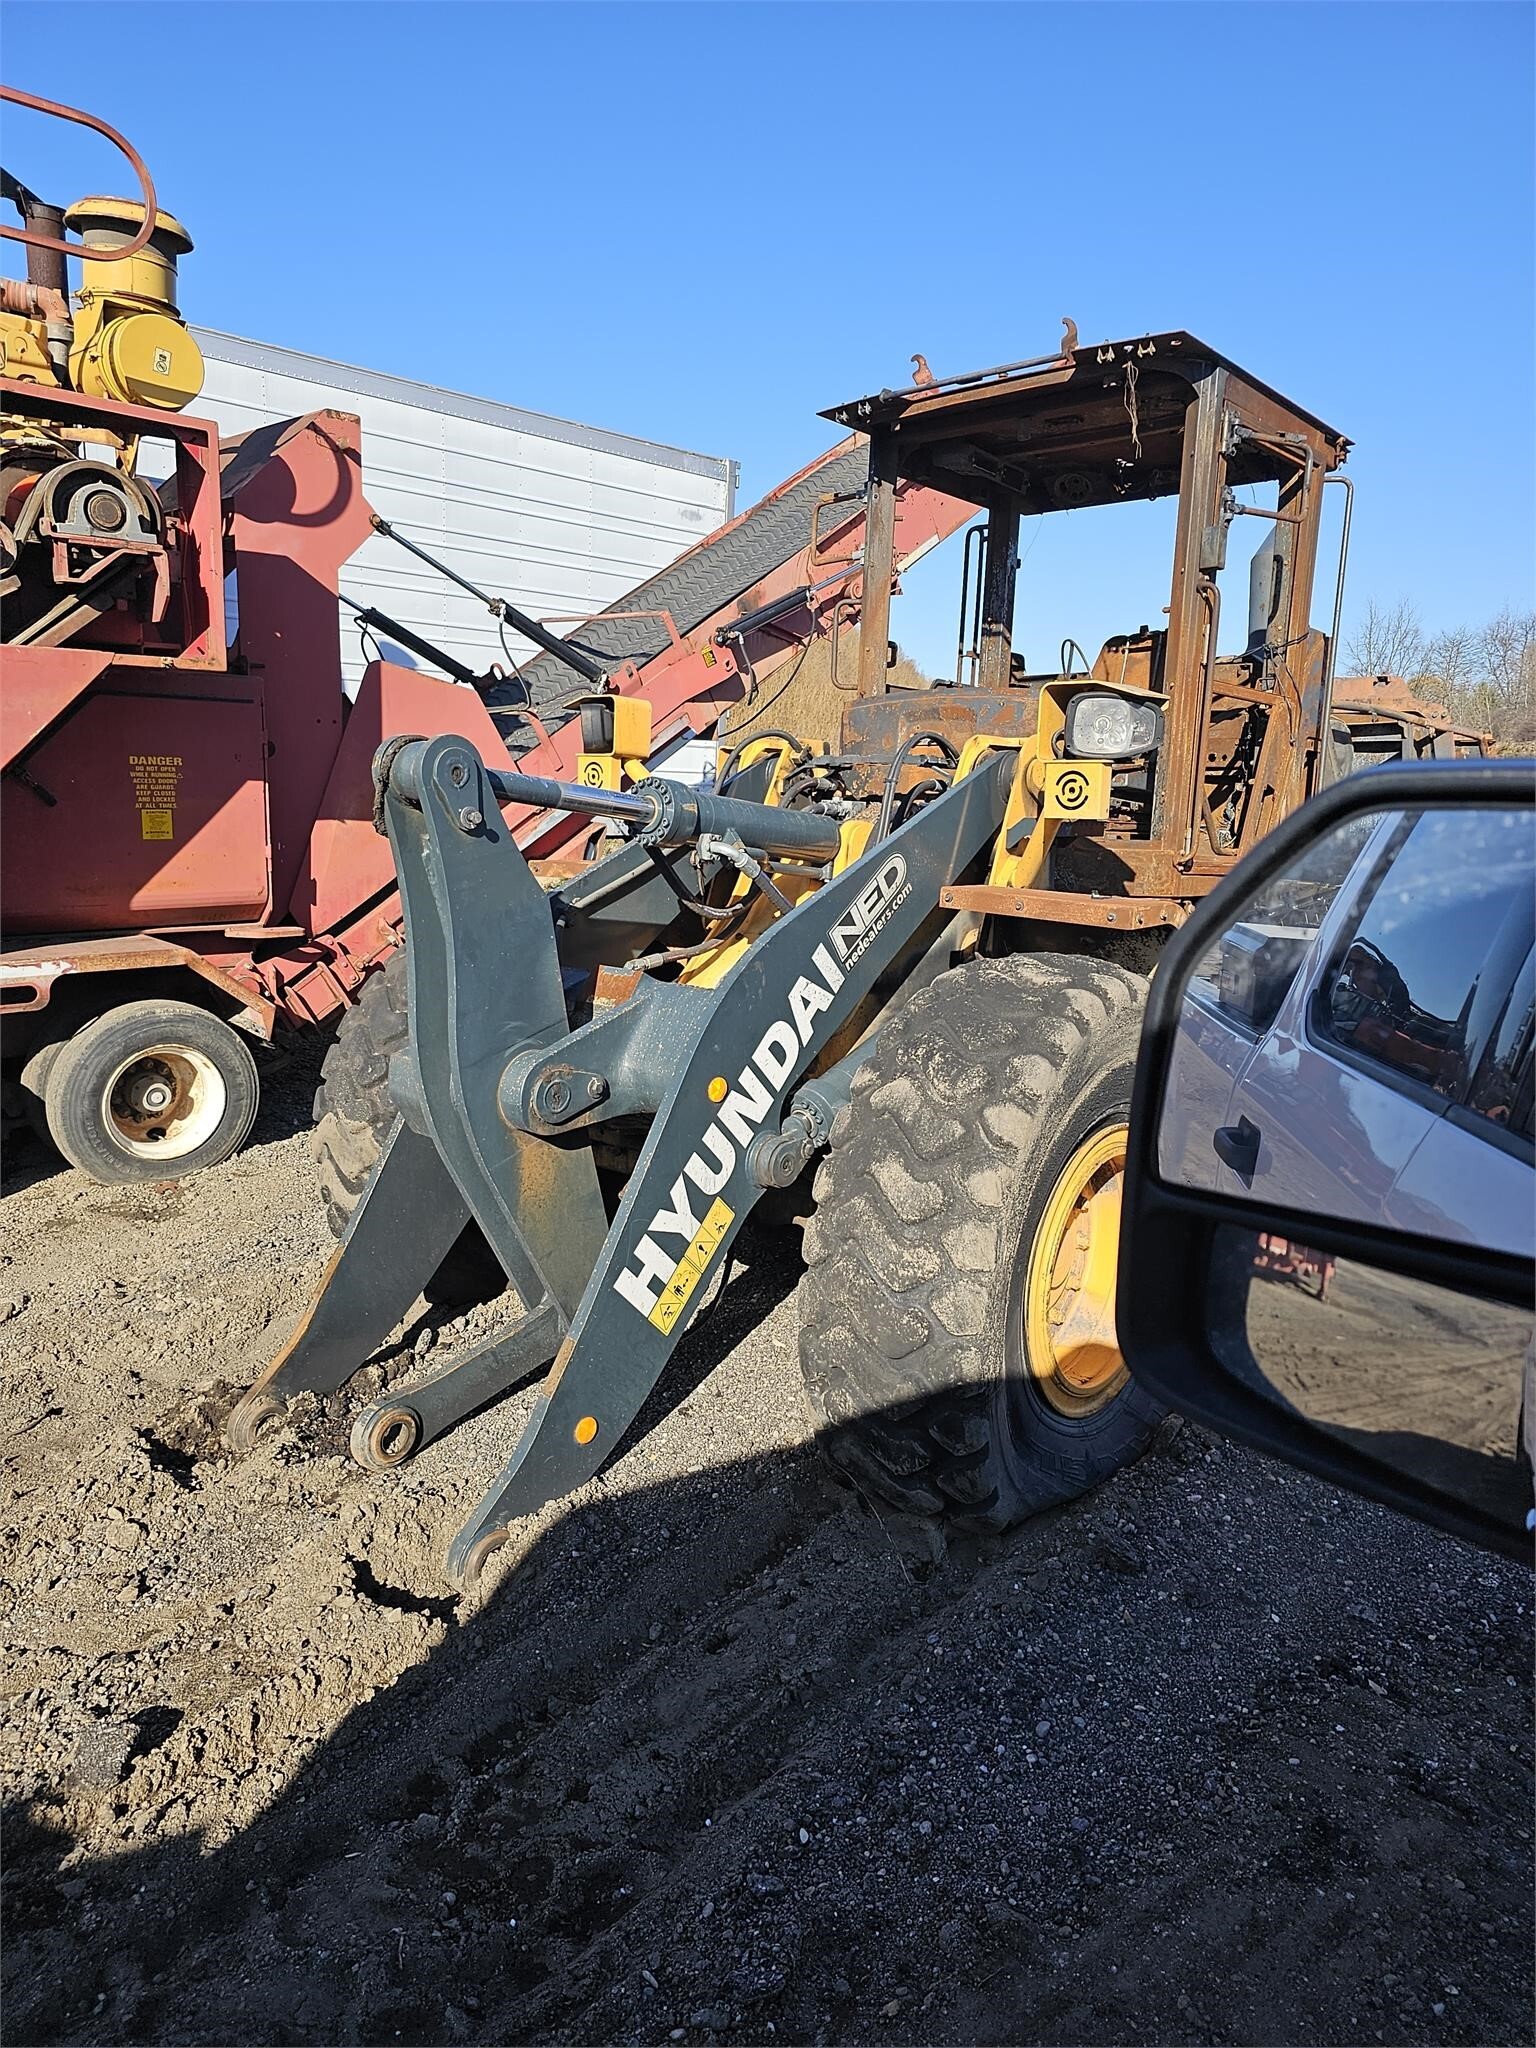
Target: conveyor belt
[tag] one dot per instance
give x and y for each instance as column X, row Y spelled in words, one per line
column 696, row 586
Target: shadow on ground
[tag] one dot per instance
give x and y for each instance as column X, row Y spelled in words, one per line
column 1216, row 1755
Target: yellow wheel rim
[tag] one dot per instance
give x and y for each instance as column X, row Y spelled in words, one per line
column 1069, row 1295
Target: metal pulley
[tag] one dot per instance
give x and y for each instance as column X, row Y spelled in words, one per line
column 92, row 502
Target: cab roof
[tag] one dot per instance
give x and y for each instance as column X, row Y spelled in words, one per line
column 1177, row 351
column 1087, row 425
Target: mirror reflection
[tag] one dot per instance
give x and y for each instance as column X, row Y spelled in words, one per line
column 1357, row 1042
column 1426, row 1382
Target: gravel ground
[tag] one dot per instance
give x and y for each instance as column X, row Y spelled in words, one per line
column 1216, row 1756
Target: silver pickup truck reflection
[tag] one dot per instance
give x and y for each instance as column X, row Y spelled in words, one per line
column 1358, row 1042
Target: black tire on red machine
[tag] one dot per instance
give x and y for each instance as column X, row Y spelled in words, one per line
column 955, row 1336
column 34, row 1087
column 149, row 1090
column 353, row 1116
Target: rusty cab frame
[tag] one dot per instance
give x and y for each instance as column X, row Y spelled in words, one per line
column 1243, row 740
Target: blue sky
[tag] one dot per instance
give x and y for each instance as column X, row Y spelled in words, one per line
column 705, row 223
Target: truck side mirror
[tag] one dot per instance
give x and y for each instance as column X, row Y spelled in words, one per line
column 1330, row 1202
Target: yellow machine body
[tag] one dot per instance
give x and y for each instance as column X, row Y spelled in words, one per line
column 140, row 359
column 1048, row 789
column 1053, row 788
column 1075, row 789
column 710, row 968
column 24, row 349
column 616, row 735
column 129, row 342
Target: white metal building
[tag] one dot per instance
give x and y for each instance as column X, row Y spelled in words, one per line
column 557, row 517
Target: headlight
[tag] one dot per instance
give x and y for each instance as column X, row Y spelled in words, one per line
column 1101, row 727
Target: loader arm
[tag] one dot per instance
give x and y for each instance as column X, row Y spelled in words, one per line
column 499, row 1100
column 711, row 1149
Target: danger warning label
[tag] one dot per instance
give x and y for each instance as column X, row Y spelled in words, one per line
column 156, row 780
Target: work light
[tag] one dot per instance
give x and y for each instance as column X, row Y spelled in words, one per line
column 1103, row 727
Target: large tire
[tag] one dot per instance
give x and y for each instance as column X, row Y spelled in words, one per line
column 34, row 1087
column 149, row 1091
column 353, row 1116
column 985, row 1102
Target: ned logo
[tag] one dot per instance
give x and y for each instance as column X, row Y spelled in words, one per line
column 867, row 910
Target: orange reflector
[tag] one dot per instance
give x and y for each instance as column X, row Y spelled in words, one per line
column 717, row 1088
column 586, row 1429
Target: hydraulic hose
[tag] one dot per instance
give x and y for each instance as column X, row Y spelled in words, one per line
column 728, row 766
column 902, row 756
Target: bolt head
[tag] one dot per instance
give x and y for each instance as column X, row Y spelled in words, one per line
column 777, row 1162
column 470, row 820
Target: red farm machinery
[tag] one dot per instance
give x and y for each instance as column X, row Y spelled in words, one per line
column 190, row 859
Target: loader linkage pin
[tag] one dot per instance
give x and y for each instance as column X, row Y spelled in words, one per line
column 398, row 1425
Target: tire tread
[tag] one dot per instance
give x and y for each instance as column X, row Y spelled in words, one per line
column 352, row 1105
column 912, row 1202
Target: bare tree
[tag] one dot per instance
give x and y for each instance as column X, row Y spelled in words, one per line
column 1389, row 641
column 1486, row 674
column 1452, row 663
column 1508, row 650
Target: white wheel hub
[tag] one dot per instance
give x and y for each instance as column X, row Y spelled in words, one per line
column 166, row 1100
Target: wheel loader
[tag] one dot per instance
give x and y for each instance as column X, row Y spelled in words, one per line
column 890, row 987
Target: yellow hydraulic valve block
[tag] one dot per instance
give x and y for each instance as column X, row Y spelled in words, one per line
column 129, row 341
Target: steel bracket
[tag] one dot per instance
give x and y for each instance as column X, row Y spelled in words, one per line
column 633, row 1053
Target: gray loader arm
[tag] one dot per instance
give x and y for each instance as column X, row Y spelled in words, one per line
column 502, row 1094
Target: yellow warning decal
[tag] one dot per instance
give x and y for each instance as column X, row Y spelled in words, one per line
column 692, row 1266
column 156, row 783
